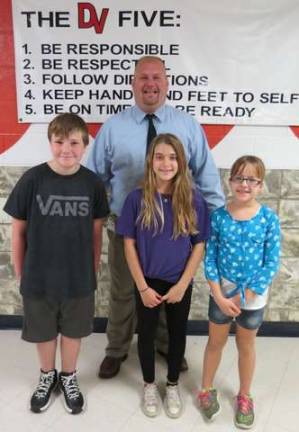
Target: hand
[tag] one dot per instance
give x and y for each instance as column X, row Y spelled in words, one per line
column 228, row 306
column 150, row 298
column 175, row 294
column 236, row 300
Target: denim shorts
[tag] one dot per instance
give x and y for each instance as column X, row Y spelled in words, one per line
column 248, row 318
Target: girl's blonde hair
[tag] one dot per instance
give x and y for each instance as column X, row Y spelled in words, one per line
column 240, row 164
column 184, row 215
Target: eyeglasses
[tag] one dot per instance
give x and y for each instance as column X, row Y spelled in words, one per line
column 250, row 181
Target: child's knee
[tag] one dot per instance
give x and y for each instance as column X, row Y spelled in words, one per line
column 216, row 344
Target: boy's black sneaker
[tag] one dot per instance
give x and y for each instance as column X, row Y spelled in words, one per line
column 41, row 398
column 73, row 398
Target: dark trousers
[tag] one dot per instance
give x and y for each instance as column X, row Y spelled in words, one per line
column 148, row 318
column 122, row 316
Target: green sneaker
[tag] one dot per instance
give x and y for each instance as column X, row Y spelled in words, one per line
column 208, row 403
column 244, row 417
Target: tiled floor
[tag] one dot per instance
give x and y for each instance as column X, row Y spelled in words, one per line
column 113, row 405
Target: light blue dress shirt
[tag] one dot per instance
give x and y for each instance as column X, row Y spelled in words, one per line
column 244, row 252
column 118, row 153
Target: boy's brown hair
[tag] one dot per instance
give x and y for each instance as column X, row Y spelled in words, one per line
column 239, row 166
column 66, row 123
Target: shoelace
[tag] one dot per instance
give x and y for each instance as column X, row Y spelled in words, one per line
column 172, row 394
column 45, row 382
column 150, row 394
column 245, row 404
column 70, row 385
column 204, row 398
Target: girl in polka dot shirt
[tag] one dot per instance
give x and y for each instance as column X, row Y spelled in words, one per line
column 242, row 257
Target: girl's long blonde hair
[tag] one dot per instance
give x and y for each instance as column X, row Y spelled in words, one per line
column 184, row 215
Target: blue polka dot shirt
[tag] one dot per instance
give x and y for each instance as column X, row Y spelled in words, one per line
column 245, row 252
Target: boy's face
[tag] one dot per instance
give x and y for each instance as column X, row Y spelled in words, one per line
column 67, row 152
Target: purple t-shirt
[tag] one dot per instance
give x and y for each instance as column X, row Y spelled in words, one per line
column 161, row 256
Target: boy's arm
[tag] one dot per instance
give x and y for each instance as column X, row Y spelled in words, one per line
column 97, row 242
column 149, row 296
column 177, row 291
column 18, row 242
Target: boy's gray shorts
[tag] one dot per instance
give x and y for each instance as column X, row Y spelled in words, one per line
column 44, row 319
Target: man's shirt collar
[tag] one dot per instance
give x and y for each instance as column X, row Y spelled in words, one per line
column 139, row 115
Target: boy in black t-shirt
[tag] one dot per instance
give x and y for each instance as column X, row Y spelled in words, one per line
column 58, row 209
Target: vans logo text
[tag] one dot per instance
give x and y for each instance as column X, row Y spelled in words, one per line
column 57, row 205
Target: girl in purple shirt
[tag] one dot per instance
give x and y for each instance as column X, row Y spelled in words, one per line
column 164, row 224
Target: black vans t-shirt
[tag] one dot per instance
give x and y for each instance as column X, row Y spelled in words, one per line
column 60, row 212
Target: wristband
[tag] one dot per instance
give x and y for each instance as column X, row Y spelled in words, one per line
column 142, row 291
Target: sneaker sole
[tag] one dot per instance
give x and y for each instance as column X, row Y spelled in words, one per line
column 40, row 410
column 216, row 414
column 170, row 414
column 67, row 408
column 242, row 426
column 45, row 407
column 151, row 415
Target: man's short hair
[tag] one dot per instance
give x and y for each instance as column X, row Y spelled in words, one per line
column 148, row 58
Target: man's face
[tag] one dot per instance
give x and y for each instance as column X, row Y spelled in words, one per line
column 150, row 85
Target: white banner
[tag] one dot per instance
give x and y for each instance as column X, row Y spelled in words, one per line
column 228, row 61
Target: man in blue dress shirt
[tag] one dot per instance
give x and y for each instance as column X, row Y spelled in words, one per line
column 118, row 156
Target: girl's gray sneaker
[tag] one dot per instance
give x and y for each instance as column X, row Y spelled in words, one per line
column 173, row 403
column 151, row 402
